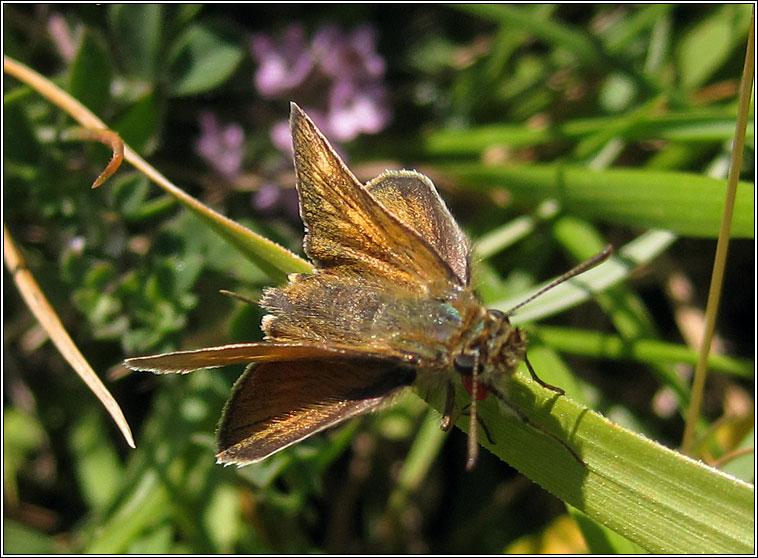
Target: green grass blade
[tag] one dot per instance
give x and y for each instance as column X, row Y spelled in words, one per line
column 685, row 203
column 145, row 505
column 661, row 500
column 601, row 345
column 574, row 291
column 559, row 34
column 686, row 127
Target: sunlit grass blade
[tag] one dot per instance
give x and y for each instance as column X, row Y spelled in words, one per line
column 662, row 500
column 48, row 319
column 643, row 249
column 685, row 203
column 722, row 246
column 607, row 346
column 689, row 127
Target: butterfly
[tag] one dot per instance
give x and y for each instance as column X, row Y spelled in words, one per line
column 389, row 305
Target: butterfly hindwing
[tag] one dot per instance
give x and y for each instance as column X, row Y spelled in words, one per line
column 412, row 198
column 276, row 404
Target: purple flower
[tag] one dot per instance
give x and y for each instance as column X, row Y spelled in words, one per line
column 340, row 74
column 271, row 198
column 65, row 40
column 354, row 110
column 281, row 136
column 283, row 63
column 221, row 148
column 348, row 58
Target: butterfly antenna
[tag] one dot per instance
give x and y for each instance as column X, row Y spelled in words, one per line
column 473, row 439
column 578, row 270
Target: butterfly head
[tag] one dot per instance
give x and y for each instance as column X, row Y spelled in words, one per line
column 495, row 351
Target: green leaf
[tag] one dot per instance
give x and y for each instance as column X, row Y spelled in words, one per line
column 703, row 50
column 222, row 517
column 653, row 496
column 137, row 32
column 90, row 73
column 272, row 258
column 146, row 504
column 160, row 541
column 622, row 34
column 743, row 466
column 560, row 34
column 138, row 127
column 25, row 147
column 130, row 191
column 202, row 58
column 687, row 204
column 183, row 14
column 98, row 469
column 22, row 435
column 20, row 539
column 618, row 93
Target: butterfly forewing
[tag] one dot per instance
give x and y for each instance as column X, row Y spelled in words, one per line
column 347, row 228
column 238, row 353
column 276, row 404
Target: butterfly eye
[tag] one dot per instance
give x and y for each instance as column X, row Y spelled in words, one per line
column 497, row 314
column 464, row 363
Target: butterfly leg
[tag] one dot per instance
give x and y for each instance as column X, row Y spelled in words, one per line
column 537, row 379
column 447, row 417
column 526, row 420
column 485, row 430
column 481, row 422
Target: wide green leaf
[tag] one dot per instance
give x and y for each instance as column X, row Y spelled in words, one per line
column 137, row 126
column 137, row 31
column 706, row 47
column 90, row 73
column 203, row 57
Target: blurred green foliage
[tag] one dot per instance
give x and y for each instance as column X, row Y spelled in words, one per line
column 479, row 93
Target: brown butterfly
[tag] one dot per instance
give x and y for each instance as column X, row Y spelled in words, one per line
column 389, row 305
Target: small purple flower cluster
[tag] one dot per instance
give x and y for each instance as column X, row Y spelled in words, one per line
column 221, row 147
column 337, row 79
